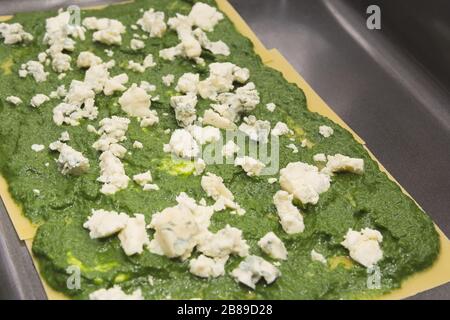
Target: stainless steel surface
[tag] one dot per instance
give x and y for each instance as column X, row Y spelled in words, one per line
column 390, row 85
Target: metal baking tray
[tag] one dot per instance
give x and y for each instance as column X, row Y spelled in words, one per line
column 389, row 85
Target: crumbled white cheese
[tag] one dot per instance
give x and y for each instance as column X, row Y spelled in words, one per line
column 37, row 147
column 251, row 166
column 115, row 293
column 70, row 161
column 60, row 92
column 184, row 107
column 214, row 119
column 230, row 148
column 150, row 187
column 188, row 83
column 143, row 178
column 109, row 31
column 320, row 157
column 87, row 59
column 293, row 147
column 281, row 129
column 339, row 163
column 271, row 106
column 304, row 181
column 13, row 33
column 364, row 246
column 61, row 63
column 256, row 130
column 290, row 217
column 326, row 131
column 38, row 100
column 141, row 67
column 168, row 79
column 109, row 52
column 273, row 246
column 204, row 16
column 205, row 267
column 272, row 180
column 112, row 171
column 153, row 22
column 138, row 145
column 78, row 104
column 148, row 87
column 37, row 192
column 199, row 166
column 252, row 269
column 215, row 188
column 34, row 68
column 223, row 243
column 182, row 144
column 136, row 44
column 104, row 223
column 221, row 78
column 64, row 137
column 316, row 256
column 216, row 47
column 136, row 103
column 133, row 236
column 204, row 135
column 179, row 228
column 14, row 100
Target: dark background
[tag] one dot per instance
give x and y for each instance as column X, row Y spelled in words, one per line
column 390, row 85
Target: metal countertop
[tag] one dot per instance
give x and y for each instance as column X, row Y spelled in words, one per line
column 390, row 86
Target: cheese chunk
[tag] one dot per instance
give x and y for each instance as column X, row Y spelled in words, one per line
column 230, row 148
column 109, row 31
column 204, row 135
column 70, row 161
column 205, row 267
column 364, row 246
column 136, row 103
column 104, row 223
column 178, row 228
column 251, row 166
column 87, row 59
column 304, row 181
column 39, row 99
column 35, row 69
column 320, row 157
column 326, row 131
column 273, row 246
column 13, row 33
column 315, row 256
column 281, row 129
column 205, row 16
column 37, row 147
column 225, row 242
column 290, row 217
column 182, row 144
column 253, row 269
column 168, row 79
column 14, row 100
column 143, row 178
column 256, row 130
column 136, row 44
column 340, row 163
column 115, row 293
column 215, row 188
column 153, row 22
column 188, row 83
column 184, row 107
column 134, row 236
